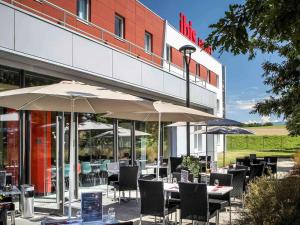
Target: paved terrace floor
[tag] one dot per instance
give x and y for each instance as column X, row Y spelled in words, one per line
column 130, row 210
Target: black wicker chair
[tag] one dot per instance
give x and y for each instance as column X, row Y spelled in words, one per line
column 127, row 180
column 241, row 167
column 152, row 200
column 194, row 203
column 256, row 170
column 238, row 183
column 223, row 200
column 175, row 163
column 272, row 163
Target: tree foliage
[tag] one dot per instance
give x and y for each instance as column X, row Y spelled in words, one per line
column 271, row 27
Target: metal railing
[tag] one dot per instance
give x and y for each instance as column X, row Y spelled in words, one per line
column 70, row 20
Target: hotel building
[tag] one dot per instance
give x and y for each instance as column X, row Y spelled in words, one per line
column 118, row 44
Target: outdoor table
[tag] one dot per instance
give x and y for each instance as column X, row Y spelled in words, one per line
column 211, row 190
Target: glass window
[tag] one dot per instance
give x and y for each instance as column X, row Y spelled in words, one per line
column 218, row 106
column 208, row 76
column 124, row 137
column 169, row 53
column 148, row 42
column 83, row 9
column 198, row 69
column 9, row 129
column 119, row 26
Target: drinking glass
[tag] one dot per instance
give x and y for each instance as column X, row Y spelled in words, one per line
column 111, row 214
column 216, row 182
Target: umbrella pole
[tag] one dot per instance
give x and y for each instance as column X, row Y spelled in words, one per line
column 158, row 147
column 224, row 146
column 72, row 160
column 206, row 147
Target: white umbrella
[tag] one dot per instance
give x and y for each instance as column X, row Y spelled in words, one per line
column 122, row 132
column 71, row 96
column 163, row 111
column 91, row 125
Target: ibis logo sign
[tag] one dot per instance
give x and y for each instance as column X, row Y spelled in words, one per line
column 187, row 30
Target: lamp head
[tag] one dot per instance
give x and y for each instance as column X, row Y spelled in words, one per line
column 187, row 49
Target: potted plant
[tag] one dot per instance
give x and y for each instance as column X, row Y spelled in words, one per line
column 191, row 163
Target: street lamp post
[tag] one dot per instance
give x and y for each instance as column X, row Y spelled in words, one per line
column 187, row 51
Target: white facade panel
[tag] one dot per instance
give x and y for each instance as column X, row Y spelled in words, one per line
column 6, row 27
column 92, row 56
column 152, row 77
column 174, row 86
column 40, row 39
column 127, row 68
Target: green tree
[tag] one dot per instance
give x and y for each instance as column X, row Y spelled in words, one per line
column 270, row 27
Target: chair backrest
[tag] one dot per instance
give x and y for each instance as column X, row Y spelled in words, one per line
column 256, row 170
column 193, row 201
column 224, row 180
column 241, row 167
column 152, row 197
column 86, row 167
column 128, row 178
column 238, row 182
column 252, row 157
column 103, row 166
column 123, row 162
column 67, row 170
column 175, row 162
column 271, row 159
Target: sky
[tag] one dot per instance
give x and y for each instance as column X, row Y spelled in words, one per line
column 244, row 81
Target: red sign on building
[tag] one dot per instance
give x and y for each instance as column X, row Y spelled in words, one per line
column 187, row 30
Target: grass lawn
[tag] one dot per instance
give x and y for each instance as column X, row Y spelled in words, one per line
column 271, row 145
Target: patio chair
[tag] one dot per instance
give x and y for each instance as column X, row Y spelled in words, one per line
column 127, row 181
column 152, row 200
column 112, row 174
column 240, row 167
column 194, row 204
column 87, row 172
column 256, row 170
column 238, row 183
column 175, row 162
column 222, row 201
column 272, row 163
column 7, row 207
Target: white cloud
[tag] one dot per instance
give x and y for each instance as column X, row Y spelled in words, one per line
column 245, row 104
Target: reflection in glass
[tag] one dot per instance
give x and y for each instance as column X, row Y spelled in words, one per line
column 9, row 129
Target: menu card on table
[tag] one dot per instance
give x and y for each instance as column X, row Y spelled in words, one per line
column 91, row 206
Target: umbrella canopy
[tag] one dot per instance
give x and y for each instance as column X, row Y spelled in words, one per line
column 213, row 122
column 71, row 96
column 168, row 112
column 68, row 96
column 224, row 130
column 122, row 132
column 91, row 125
column 162, row 111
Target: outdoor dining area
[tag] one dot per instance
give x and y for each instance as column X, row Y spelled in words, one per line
column 172, row 189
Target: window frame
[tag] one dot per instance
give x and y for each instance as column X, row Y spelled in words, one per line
column 88, row 10
column 208, row 76
column 150, row 36
column 122, row 19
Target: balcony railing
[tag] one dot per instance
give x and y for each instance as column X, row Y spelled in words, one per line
column 71, row 21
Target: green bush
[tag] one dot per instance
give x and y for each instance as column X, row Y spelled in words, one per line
column 272, row 202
